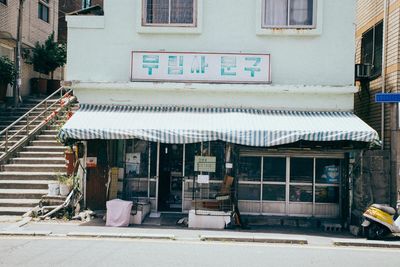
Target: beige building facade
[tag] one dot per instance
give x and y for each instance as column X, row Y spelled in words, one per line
column 377, row 45
column 40, row 19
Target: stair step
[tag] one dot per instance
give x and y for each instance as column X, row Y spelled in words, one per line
column 50, row 132
column 6, row 202
column 45, row 148
column 22, row 193
column 24, row 184
column 14, row 210
column 46, row 143
column 44, row 154
column 46, row 137
column 32, row 160
column 28, row 175
column 36, row 167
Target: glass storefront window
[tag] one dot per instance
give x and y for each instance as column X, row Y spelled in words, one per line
column 327, row 194
column 249, row 169
column 327, row 171
column 301, row 193
column 153, row 185
column 274, row 169
column 136, row 159
column 301, row 170
column 217, row 150
column 136, row 188
column 273, row 192
column 249, row 192
column 191, row 150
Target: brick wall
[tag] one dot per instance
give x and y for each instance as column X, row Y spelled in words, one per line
column 369, row 13
column 33, row 30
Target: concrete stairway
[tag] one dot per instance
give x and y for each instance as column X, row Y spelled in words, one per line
column 25, row 178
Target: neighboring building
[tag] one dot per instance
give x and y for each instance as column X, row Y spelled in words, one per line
column 39, row 21
column 263, row 90
column 69, row 6
column 377, row 50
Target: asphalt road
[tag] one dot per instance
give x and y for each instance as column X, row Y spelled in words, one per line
column 108, row 252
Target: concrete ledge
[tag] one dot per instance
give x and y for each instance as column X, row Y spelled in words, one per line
column 274, row 240
column 365, row 243
column 25, row 233
column 122, row 235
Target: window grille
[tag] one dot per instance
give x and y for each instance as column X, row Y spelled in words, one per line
column 167, row 12
column 289, row 13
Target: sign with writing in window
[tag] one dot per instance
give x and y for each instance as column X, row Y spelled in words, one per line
column 200, row 67
column 204, row 164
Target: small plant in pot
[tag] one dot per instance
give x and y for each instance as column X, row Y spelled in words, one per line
column 66, row 184
column 46, row 58
column 7, row 76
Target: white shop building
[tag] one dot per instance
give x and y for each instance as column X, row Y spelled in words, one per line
column 179, row 93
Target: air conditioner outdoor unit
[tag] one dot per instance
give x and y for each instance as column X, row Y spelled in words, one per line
column 363, row 72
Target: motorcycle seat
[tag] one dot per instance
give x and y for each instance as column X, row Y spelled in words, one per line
column 384, row 208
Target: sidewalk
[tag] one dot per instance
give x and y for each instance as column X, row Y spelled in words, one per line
column 276, row 235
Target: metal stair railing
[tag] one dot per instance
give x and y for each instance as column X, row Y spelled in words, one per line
column 27, row 130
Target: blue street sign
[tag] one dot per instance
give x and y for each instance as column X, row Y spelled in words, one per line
column 387, row 98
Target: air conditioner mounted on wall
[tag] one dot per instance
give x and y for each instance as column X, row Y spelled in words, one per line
column 363, row 72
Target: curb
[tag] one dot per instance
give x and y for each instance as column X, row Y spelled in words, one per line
column 25, row 233
column 256, row 239
column 368, row 244
column 121, row 235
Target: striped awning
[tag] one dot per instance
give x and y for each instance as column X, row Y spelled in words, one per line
column 178, row 125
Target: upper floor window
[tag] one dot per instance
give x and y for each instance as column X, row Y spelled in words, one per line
column 169, row 12
column 86, row 4
column 3, row 2
column 371, row 48
column 43, row 10
column 289, row 14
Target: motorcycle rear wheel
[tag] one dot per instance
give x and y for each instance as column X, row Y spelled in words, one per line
column 376, row 231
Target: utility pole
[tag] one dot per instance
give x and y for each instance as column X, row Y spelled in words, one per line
column 17, row 84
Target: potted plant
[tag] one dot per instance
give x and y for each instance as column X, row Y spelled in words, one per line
column 46, row 58
column 7, row 76
column 66, row 184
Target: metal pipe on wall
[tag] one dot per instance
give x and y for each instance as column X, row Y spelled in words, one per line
column 383, row 78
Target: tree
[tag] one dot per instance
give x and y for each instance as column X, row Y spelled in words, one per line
column 47, row 57
column 7, row 71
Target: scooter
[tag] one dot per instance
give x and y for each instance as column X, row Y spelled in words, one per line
column 380, row 221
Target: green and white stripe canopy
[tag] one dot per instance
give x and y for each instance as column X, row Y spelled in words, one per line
column 179, row 125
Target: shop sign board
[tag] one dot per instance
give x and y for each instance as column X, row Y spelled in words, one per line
column 204, row 164
column 200, row 67
column 203, row 179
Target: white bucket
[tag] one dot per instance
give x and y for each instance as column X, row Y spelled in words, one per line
column 64, row 190
column 54, row 189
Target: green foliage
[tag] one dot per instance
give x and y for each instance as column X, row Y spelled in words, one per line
column 67, row 180
column 49, row 56
column 7, row 71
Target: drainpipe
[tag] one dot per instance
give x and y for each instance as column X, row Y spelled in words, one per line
column 17, row 84
column 383, row 81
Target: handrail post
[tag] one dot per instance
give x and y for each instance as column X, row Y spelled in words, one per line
column 6, row 141
column 27, row 123
column 45, row 109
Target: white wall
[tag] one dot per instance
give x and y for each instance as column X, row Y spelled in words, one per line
column 227, row 26
column 99, row 47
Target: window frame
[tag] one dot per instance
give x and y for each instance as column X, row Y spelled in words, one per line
column 4, row 3
column 288, row 183
column 375, row 72
column 311, row 27
column 144, row 23
column 45, row 4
